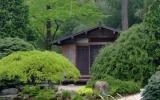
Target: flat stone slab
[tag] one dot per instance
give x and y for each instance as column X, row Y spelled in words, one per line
column 10, row 91
column 69, row 87
column 7, row 97
column 132, row 97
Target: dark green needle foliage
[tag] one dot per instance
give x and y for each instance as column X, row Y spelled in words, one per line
column 152, row 90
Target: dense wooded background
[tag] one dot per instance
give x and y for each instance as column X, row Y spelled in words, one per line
column 43, row 21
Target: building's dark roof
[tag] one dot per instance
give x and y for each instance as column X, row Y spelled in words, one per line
column 84, row 32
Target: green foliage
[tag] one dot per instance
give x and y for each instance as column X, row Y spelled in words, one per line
column 82, row 11
column 37, row 93
column 31, row 91
column 152, row 90
column 151, row 20
column 118, row 86
column 113, row 9
column 66, row 94
column 127, row 56
column 45, row 94
column 127, row 87
column 14, row 19
column 152, row 24
column 77, row 97
column 8, row 83
column 37, row 66
column 85, row 91
column 10, row 45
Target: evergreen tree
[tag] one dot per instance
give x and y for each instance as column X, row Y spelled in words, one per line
column 152, row 24
column 14, row 18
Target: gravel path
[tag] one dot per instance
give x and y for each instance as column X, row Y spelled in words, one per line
column 69, row 87
column 132, row 97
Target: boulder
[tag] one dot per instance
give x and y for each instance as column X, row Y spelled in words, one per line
column 11, row 91
column 101, row 87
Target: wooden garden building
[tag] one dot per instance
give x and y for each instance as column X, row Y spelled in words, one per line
column 81, row 48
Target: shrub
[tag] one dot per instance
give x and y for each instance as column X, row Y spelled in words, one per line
column 9, row 45
column 37, row 93
column 152, row 90
column 127, row 87
column 118, row 86
column 152, row 24
column 77, row 97
column 66, row 94
column 151, row 19
column 126, row 59
column 31, row 90
column 36, row 66
column 45, row 94
column 85, row 91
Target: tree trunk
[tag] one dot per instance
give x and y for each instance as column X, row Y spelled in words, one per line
column 48, row 43
column 124, row 14
column 48, row 40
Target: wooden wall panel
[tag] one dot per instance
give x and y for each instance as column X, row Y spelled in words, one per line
column 69, row 51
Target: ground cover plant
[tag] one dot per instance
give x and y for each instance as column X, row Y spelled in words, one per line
column 36, row 93
column 33, row 67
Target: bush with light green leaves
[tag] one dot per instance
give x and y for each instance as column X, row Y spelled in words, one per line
column 37, row 66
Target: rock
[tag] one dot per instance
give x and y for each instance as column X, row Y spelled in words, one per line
column 9, row 97
column 11, row 91
column 42, row 86
column 26, row 97
column 101, row 87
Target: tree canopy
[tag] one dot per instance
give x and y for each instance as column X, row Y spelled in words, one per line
column 84, row 11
